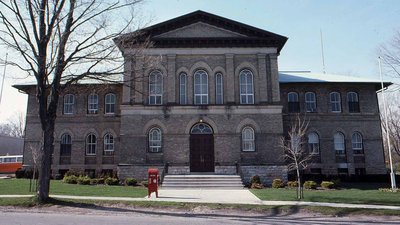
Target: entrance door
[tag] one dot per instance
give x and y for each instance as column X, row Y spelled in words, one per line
column 202, row 149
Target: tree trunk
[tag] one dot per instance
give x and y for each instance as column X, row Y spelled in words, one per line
column 45, row 163
column 299, row 194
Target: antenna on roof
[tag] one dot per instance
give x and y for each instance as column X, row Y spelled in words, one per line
column 322, row 52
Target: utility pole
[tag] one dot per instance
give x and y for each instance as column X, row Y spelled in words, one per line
column 392, row 175
column 3, row 78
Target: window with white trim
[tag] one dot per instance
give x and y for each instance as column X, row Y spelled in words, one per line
column 357, row 143
column 293, row 102
column 248, row 144
column 183, row 89
column 108, row 144
column 311, row 103
column 155, row 139
column 65, row 145
column 91, row 144
column 352, row 100
column 338, row 142
column 69, row 101
column 155, row 88
column 313, row 143
column 110, row 100
column 93, row 104
column 335, row 102
column 246, row 87
column 200, row 87
column 219, row 89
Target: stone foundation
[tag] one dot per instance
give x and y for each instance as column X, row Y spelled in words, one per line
column 266, row 173
column 178, row 170
column 225, row 170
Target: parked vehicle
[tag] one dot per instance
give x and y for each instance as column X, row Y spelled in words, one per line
column 10, row 163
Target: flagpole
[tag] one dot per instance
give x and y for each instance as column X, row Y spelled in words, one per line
column 392, row 175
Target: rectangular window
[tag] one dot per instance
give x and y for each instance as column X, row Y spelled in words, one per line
column 182, row 89
column 311, row 105
column 93, row 104
column 335, row 102
column 68, row 104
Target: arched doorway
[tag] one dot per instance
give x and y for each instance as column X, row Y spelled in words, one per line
column 201, row 148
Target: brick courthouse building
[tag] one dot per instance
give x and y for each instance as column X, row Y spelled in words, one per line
column 214, row 102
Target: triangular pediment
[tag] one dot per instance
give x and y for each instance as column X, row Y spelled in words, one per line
column 200, row 30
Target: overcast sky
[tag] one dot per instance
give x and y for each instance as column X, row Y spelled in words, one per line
column 352, row 31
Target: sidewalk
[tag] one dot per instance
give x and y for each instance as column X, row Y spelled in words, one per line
column 216, row 196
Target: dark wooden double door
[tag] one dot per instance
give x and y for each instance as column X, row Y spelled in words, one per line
column 201, row 153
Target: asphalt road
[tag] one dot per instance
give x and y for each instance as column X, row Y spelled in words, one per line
column 137, row 217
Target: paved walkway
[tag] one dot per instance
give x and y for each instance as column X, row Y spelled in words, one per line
column 215, row 196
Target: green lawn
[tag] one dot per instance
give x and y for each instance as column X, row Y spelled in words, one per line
column 358, row 195
column 21, row 186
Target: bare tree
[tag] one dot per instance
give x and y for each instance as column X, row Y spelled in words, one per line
column 295, row 149
column 59, row 43
column 390, row 53
column 14, row 127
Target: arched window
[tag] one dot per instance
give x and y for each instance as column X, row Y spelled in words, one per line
column 91, row 144
column 248, row 144
column 335, row 102
column 311, row 103
column 293, row 102
column 65, row 145
column 155, row 88
column 338, row 141
column 155, row 139
column 357, row 143
column 108, row 144
column 201, row 128
column 246, row 87
column 69, row 101
column 313, row 143
column 183, row 89
column 93, row 104
column 110, row 100
column 219, row 89
column 200, row 87
column 352, row 100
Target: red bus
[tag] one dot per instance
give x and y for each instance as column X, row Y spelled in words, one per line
column 10, row 163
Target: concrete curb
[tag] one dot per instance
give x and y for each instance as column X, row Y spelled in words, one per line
column 267, row 203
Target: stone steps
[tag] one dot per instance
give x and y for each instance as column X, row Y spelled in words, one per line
column 206, row 181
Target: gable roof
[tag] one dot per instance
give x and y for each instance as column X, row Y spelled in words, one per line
column 242, row 35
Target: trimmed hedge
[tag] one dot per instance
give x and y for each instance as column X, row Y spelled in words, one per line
column 255, row 180
column 327, row 184
column 111, row 181
column 83, row 180
column 292, row 184
column 130, row 182
column 70, row 179
column 278, row 183
column 310, row 184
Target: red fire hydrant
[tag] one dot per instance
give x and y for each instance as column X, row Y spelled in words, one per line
column 152, row 181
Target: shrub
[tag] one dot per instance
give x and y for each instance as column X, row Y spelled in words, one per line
column 292, row 184
column 144, row 183
column 83, row 180
column 130, row 182
column 20, row 173
column 257, row 186
column 278, row 183
column 111, row 181
column 327, row 185
column 336, row 182
column 71, row 179
column 310, row 184
column 73, row 172
column 255, row 179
